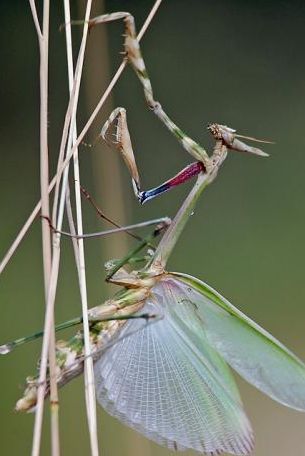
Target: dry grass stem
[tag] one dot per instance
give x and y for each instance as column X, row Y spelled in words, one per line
column 43, row 39
column 88, row 365
column 56, row 259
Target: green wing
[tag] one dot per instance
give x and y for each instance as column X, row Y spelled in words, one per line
column 256, row 355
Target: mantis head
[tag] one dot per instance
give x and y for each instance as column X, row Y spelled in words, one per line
column 228, row 137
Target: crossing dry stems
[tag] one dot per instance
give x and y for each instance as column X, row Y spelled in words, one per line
column 69, row 143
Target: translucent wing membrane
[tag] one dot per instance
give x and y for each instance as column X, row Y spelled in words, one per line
column 250, row 350
column 168, row 383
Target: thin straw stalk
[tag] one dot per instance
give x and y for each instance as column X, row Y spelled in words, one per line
column 88, row 364
column 43, row 39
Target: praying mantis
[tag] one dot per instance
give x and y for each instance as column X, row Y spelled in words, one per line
column 168, row 377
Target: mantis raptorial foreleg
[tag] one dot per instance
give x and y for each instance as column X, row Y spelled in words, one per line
column 116, row 134
column 120, row 138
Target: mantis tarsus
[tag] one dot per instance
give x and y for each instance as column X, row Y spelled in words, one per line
column 170, row 381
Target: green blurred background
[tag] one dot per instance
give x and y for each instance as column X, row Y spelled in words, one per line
column 240, row 63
